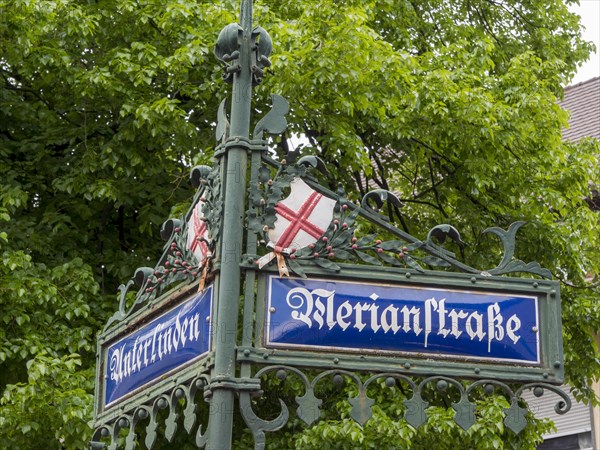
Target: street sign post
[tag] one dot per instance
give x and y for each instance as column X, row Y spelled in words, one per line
column 215, row 315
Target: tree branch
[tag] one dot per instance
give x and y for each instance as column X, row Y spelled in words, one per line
column 434, row 188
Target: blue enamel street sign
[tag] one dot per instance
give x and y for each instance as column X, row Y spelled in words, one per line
column 402, row 319
column 176, row 339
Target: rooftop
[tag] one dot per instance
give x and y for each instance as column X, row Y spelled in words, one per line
column 582, row 100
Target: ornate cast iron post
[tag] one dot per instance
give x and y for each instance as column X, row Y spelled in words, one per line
column 244, row 50
column 235, row 46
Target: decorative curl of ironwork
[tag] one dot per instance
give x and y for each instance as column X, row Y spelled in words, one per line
column 178, row 262
column 309, row 405
column 379, row 196
column 508, row 264
column 106, row 435
column 222, row 130
column 257, row 425
column 274, row 122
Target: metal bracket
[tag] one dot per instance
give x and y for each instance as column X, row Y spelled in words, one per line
column 251, row 385
column 237, row 142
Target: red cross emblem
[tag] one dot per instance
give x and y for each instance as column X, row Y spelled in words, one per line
column 302, row 217
column 197, row 235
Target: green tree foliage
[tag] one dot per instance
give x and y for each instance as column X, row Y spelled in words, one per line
column 104, row 107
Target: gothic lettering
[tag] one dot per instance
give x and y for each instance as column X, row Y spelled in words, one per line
column 435, row 316
column 158, row 342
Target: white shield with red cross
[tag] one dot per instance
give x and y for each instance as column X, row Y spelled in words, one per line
column 197, row 233
column 302, row 217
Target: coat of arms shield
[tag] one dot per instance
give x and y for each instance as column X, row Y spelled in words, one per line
column 302, row 218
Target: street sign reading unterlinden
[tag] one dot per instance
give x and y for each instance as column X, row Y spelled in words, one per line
column 505, row 328
column 160, row 345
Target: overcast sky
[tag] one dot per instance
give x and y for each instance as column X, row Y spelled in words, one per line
column 589, row 10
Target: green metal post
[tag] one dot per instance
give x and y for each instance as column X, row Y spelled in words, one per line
column 224, row 372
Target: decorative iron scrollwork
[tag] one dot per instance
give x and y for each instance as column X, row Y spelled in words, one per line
column 415, row 413
column 339, row 241
column 257, row 425
column 508, row 264
column 379, row 196
column 222, row 130
column 274, row 122
column 107, row 435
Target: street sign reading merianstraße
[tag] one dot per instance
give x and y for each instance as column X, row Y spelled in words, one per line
column 461, row 324
column 171, row 341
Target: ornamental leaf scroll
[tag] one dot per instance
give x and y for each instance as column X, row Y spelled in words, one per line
column 388, row 245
